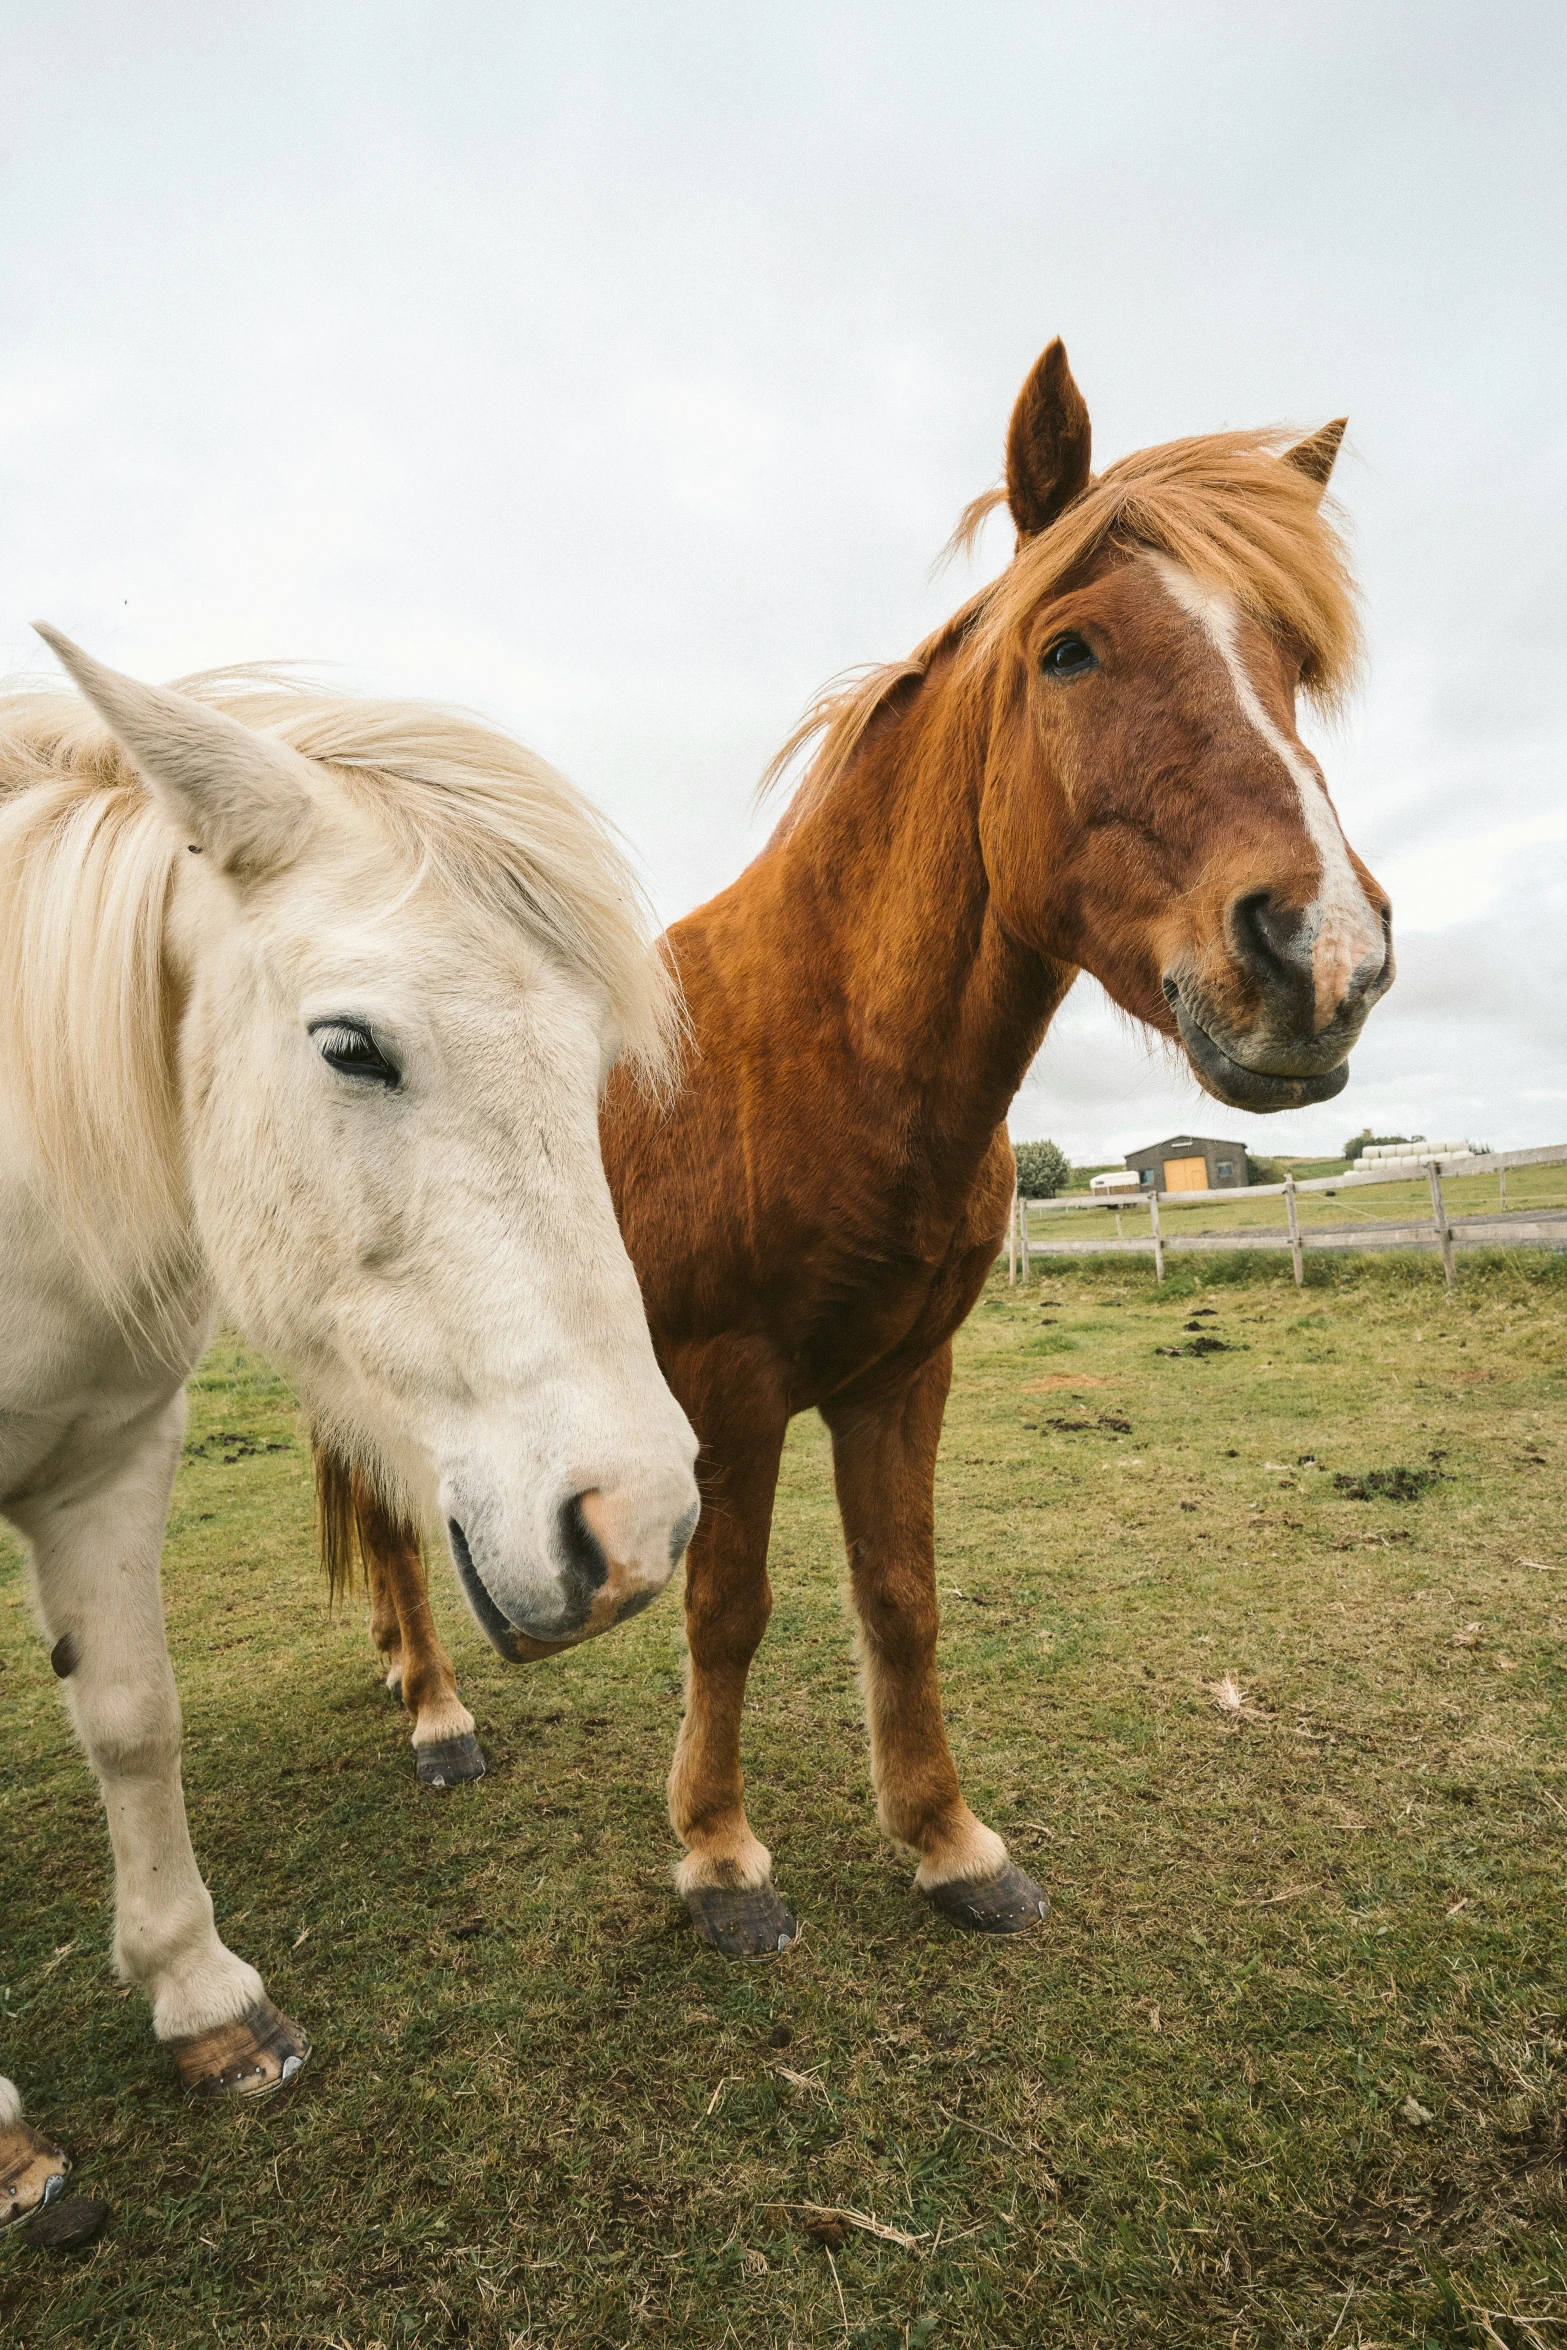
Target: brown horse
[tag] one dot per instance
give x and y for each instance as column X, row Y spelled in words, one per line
column 1093, row 765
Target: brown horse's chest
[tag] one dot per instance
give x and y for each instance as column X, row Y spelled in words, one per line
column 900, row 1316
column 829, row 1301
column 892, row 1295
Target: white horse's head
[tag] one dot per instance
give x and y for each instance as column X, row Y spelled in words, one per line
column 405, row 956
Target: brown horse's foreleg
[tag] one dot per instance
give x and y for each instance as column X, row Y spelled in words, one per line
column 386, row 1630
column 884, row 1463
column 726, row 1874
column 403, row 1629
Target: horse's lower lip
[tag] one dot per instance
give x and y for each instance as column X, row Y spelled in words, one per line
column 515, row 1645
column 1231, row 1081
column 499, row 1628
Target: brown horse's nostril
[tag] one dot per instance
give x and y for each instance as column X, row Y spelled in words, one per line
column 580, row 1546
column 1384, row 977
column 1274, row 945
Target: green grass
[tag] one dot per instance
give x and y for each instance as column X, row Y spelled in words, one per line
column 541, row 2113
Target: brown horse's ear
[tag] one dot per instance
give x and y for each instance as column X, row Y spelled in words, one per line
column 1315, row 454
column 1049, row 444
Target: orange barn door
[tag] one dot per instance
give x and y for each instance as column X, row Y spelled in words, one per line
column 1186, row 1175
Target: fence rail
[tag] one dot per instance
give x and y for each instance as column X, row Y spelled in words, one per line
column 1532, row 1227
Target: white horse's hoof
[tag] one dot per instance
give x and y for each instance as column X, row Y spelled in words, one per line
column 261, row 2052
column 32, row 2172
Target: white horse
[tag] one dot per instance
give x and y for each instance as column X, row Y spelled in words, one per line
column 306, row 1004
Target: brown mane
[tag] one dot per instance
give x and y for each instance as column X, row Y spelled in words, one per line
column 1223, row 505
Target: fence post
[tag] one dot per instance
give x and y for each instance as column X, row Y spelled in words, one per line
column 1012, row 1239
column 1444, row 1234
column 1289, row 1209
column 1503, row 1181
column 1158, row 1244
column 1022, row 1218
column 1118, row 1223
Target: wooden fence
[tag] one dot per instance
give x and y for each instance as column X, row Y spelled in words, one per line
column 1538, row 1227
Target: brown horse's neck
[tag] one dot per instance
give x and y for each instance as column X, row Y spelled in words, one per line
column 875, row 896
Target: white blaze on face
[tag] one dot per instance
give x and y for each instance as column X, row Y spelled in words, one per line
column 1340, row 924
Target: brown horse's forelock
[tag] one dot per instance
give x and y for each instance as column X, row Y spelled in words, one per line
column 1224, row 505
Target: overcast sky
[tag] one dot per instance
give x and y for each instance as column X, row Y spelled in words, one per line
column 620, row 370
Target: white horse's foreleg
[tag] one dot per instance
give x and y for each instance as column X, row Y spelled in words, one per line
column 95, row 1555
column 96, row 1543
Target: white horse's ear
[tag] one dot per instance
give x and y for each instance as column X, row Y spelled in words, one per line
column 237, row 793
column 1314, row 455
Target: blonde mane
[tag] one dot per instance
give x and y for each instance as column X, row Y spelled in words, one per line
column 88, row 1010
column 1223, row 505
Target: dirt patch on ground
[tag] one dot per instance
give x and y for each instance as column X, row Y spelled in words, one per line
column 1048, row 1386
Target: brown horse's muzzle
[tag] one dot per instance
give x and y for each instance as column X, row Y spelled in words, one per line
column 1268, row 1022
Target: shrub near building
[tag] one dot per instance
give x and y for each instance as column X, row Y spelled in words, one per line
column 1358, row 1142
column 1043, row 1169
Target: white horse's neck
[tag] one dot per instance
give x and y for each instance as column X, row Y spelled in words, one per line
column 67, row 1360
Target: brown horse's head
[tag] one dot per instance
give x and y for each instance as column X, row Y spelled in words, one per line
column 1149, row 811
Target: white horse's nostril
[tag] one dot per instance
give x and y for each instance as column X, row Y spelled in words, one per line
column 582, row 1538
column 622, row 1536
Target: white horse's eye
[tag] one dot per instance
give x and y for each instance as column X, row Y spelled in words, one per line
column 345, row 1045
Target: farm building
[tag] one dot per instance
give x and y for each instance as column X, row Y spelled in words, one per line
column 1190, row 1162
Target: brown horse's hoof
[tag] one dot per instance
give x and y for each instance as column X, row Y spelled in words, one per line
column 450, row 1764
column 32, row 2172
column 750, row 1923
column 1008, row 1904
column 261, row 2052
column 67, row 2223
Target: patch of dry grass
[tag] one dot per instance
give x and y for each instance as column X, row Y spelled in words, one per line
column 1289, row 1761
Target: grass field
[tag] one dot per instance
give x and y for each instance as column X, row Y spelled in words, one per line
column 1187, row 2112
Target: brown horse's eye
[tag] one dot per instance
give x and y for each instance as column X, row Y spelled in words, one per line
column 1069, row 656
